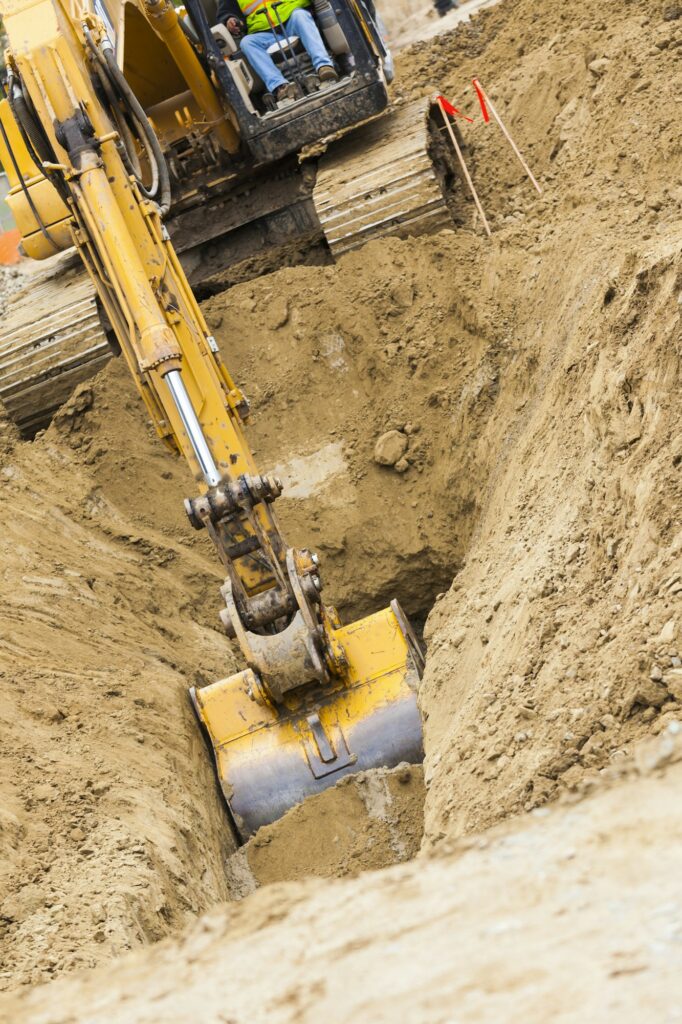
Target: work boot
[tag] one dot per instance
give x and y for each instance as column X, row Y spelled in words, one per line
column 285, row 92
column 327, row 74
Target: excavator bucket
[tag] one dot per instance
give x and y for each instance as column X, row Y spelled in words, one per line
column 271, row 757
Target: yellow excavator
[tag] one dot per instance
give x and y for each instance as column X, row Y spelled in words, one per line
column 316, row 699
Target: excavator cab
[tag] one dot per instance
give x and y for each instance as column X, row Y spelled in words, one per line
column 270, row 131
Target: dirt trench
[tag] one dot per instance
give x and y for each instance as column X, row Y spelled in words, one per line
column 531, row 381
column 113, row 608
column 336, row 360
column 112, row 830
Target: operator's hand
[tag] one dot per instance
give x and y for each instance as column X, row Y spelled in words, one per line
column 234, row 26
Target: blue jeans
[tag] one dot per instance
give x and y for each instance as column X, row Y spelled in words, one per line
column 255, row 47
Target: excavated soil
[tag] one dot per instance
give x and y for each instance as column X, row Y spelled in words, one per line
column 500, row 928
column 529, row 488
column 366, row 821
column 106, row 798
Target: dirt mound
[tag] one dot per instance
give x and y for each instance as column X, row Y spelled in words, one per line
column 107, row 802
column 366, row 821
column 406, row 21
column 559, row 642
column 500, row 927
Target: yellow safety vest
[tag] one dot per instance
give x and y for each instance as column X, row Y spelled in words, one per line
column 261, row 14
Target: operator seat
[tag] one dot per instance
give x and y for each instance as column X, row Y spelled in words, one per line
column 282, row 55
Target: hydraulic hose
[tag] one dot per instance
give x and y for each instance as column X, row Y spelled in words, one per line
column 160, row 189
column 35, row 140
column 164, row 187
column 126, row 144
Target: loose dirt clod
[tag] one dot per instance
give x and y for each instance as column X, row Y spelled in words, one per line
column 390, row 448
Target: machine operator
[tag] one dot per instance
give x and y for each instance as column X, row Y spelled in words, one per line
column 264, row 23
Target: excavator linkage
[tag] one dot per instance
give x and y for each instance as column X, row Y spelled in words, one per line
column 270, row 757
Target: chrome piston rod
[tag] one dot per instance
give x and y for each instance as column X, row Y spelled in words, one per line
column 192, row 426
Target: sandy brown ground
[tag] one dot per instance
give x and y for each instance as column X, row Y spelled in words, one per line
column 106, row 797
column 569, row 916
column 534, row 378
